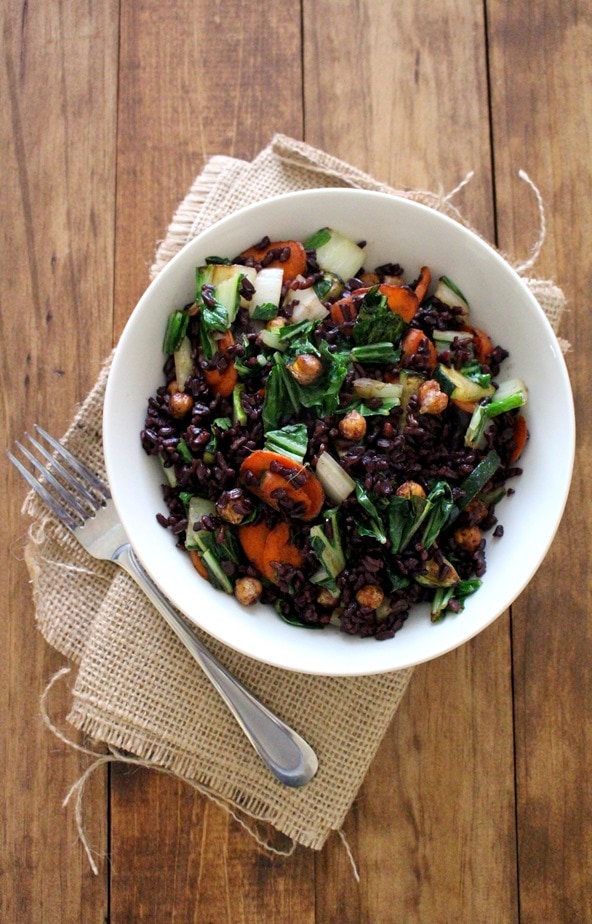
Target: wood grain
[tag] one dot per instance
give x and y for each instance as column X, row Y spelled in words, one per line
column 438, row 802
column 59, row 79
column 551, row 628
column 182, row 101
column 478, row 805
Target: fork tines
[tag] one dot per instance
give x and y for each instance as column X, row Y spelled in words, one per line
column 65, row 484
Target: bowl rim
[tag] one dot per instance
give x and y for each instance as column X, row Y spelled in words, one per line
column 169, row 270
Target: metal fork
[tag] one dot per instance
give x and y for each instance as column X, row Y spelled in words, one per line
column 81, row 501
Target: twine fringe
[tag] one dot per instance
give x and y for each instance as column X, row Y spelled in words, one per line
column 115, row 756
column 538, row 244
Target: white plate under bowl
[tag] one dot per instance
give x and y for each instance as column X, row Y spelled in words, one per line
column 397, row 230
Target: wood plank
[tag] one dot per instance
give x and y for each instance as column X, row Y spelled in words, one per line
column 437, row 807
column 221, row 83
column 552, row 644
column 58, row 140
column 208, row 89
column 383, row 93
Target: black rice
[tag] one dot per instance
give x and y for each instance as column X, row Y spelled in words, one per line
column 203, row 451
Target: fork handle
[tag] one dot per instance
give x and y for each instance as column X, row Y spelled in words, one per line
column 289, row 757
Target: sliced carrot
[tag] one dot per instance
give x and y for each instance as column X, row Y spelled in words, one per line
column 198, row 564
column 423, row 283
column 482, row 343
column 222, row 382
column 401, row 300
column 467, row 406
column 279, row 549
column 415, row 341
column 259, row 461
column 294, row 266
column 267, row 547
column 309, row 494
column 520, row 438
column 344, row 311
column 252, row 537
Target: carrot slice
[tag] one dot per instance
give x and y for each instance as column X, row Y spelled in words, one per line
column 252, row 537
column 401, row 300
column 482, row 343
column 415, row 341
column 222, row 382
column 294, row 266
column 423, row 283
column 344, row 311
column 267, row 547
column 520, row 438
column 307, row 493
column 279, row 549
column 198, row 564
column 467, row 406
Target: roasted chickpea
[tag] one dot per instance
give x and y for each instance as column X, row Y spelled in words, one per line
column 353, row 426
column 180, row 404
column 233, row 506
column 370, row 595
column 410, row 489
column 369, row 279
column 275, row 323
column 468, row 538
column 476, row 511
column 248, row 590
column 432, row 400
column 306, row 368
column 326, row 598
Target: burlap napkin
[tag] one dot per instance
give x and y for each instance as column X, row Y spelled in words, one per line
column 137, row 690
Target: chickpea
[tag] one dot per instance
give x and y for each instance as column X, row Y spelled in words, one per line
column 233, row 506
column 370, row 595
column 410, row 489
column 476, row 511
column 180, row 404
column 353, row 426
column 306, row 368
column 173, row 387
column 275, row 323
column 468, row 538
column 369, row 279
column 431, row 399
column 248, row 590
column 326, row 598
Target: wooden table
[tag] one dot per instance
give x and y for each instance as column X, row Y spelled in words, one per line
column 478, row 806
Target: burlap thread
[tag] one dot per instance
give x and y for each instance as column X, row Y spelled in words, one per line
column 137, row 691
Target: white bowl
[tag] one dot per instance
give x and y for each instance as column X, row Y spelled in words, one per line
column 395, row 229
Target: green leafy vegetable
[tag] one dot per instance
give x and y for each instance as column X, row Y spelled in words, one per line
column 265, row 312
column 218, row 425
column 372, row 525
column 291, row 440
column 441, row 505
column 376, row 323
column 325, row 540
column 473, row 372
column 184, row 451
column 318, row 239
column 175, row 331
column 376, row 353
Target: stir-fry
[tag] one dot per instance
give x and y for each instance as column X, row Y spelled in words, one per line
column 334, row 440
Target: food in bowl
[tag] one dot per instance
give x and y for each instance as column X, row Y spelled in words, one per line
column 334, row 438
